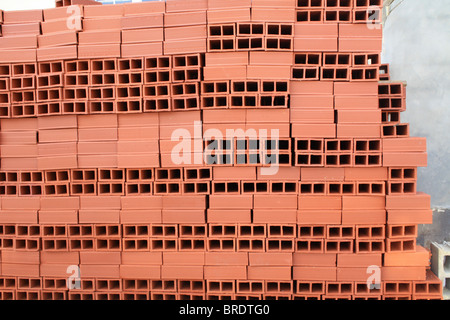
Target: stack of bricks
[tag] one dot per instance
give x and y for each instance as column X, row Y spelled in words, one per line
column 91, row 175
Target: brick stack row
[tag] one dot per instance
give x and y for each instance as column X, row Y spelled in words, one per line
column 207, row 149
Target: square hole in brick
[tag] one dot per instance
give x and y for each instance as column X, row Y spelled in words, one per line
column 447, row 265
column 446, row 284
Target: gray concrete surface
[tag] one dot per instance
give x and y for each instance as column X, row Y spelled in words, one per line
column 417, row 46
column 438, row 232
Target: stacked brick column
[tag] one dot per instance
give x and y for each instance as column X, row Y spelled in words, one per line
column 89, row 179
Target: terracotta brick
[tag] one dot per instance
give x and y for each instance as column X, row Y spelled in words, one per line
column 417, row 201
column 352, row 274
column 140, row 272
column 138, row 8
column 100, row 258
column 180, row 5
column 420, row 258
column 314, row 259
column 269, row 273
column 102, row 23
column 142, row 21
column 22, row 16
column 228, row 72
column 315, row 273
column 228, row 15
column 93, row 11
column 142, row 258
column 228, row 216
column 275, row 202
column 349, row 88
column 270, row 259
column 103, row 36
column 410, row 216
column 98, row 51
column 226, row 58
column 231, row 202
column 273, row 14
column 243, row 173
column 314, row 130
column 183, row 216
column 226, row 258
column 268, row 72
column 311, row 87
column 322, row 115
column 270, row 4
column 368, row 216
column 182, row 272
column 184, row 33
column 59, row 13
column 25, row 257
column 358, row 174
column 17, row 29
column 225, row 4
column 184, row 46
column 363, row 202
column 142, row 35
column 69, row 258
column 184, row 258
column 403, row 274
column 28, row 270
column 274, row 216
column 319, row 217
column 359, row 260
column 271, row 58
column 58, row 216
column 180, row 19
column 323, row 174
column 326, row 202
column 23, row 42
column 184, row 202
column 405, row 145
column 225, row 272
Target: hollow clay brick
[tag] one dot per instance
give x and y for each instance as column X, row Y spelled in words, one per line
column 319, row 216
column 417, row 201
column 175, row 272
column 228, row 15
column 314, row 273
column 180, row 19
column 97, row 37
column 270, row 259
column 142, row 258
column 93, row 11
column 100, row 258
column 14, row 269
column 181, row 6
column 22, row 16
column 138, row 8
column 231, row 202
column 225, row 4
column 59, row 257
column 141, row 35
column 140, row 271
column 269, row 273
column 22, row 42
column 314, row 259
column 226, row 58
column 229, row 272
